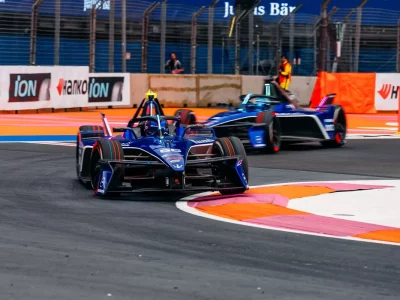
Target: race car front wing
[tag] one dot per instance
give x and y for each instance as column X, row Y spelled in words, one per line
column 117, row 176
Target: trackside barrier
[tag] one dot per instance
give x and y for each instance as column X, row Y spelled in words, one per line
column 362, row 93
column 208, row 90
column 33, row 88
column 42, row 88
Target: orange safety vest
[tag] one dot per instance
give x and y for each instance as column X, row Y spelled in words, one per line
column 285, row 75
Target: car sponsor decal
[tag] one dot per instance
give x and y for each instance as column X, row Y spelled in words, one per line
column 330, row 127
column 166, row 150
column 202, row 141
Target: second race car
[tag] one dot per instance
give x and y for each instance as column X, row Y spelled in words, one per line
column 267, row 120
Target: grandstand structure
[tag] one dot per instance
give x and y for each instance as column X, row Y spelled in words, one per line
column 253, row 47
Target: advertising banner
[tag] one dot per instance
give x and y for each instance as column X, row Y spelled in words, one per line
column 25, row 87
column 387, row 91
column 69, row 87
column 109, row 89
column 29, row 87
column 267, row 9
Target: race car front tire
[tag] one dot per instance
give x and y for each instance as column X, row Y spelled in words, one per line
column 272, row 132
column 232, row 146
column 187, row 116
column 108, row 150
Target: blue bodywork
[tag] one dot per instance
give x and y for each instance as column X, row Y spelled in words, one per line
column 167, row 160
column 297, row 124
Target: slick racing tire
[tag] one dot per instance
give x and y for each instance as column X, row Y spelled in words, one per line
column 187, row 116
column 272, row 131
column 340, row 130
column 107, row 150
column 232, row 146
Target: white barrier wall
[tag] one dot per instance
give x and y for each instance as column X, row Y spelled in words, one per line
column 28, row 87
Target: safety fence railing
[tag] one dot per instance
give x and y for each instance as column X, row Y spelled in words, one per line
column 138, row 36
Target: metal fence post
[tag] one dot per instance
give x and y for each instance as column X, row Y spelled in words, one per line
column 291, row 38
column 111, row 37
column 239, row 19
column 123, row 25
column 349, row 63
column 398, row 48
column 358, row 35
column 315, row 40
column 93, row 26
column 251, row 42
column 210, row 36
column 323, row 36
column 194, row 40
column 328, row 46
column 57, row 32
column 92, row 39
column 278, row 34
column 223, row 56
column 163, row 33
column 257, row 53
column 33, row 38
column 145, row 33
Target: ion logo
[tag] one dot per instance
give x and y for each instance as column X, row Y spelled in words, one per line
column 98, row 89
column 29, row 87
column 105, row 89
column 389, row 90
column 25, row 88
column 72, row 87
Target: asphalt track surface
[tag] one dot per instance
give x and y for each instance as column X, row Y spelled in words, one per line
column 59, row 242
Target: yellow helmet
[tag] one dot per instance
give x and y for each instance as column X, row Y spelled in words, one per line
column 150, row 95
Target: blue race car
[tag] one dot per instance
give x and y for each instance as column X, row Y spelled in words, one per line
column 266, row 121
column 155, row 153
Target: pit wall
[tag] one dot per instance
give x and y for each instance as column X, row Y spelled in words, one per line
column 25, row 88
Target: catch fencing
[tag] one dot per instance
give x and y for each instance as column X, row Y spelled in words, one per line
column 138, row 36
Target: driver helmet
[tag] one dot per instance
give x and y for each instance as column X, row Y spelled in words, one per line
column 150, row 128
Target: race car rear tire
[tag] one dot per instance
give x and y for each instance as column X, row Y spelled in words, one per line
column 85, row 129
column 104, row 149
column 272, row 131
column 232, row 146
column 340, row 131
column 187, row 116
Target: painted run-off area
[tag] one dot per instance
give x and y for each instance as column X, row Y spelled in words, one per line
column 340, row 209
column 67, row 123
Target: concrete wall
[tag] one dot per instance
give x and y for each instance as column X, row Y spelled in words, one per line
column 218, row 89
column 205, row 90
column 175, row 90
column 302, row 87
